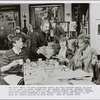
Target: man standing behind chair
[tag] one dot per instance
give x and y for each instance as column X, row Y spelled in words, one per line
column 39, row 39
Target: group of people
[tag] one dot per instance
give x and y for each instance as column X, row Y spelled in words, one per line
column 25, row 48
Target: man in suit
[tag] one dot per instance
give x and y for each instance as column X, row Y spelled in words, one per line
column 39, row 39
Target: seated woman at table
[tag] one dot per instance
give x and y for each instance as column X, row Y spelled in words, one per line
column 65, row 54
column 13, row 59
column 84, row 54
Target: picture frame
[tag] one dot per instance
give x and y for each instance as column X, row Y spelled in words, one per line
column 65, row 26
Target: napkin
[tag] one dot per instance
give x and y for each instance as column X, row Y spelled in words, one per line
column 12, row 79
column 48, row 51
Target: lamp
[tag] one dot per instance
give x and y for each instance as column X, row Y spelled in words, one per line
column 25, row 28
column 24, row 15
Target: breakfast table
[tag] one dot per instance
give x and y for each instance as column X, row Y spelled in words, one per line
column 50, row 72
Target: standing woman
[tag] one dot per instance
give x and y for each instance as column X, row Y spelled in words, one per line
column 58, row 33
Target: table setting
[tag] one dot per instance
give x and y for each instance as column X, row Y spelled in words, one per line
column 50, row 72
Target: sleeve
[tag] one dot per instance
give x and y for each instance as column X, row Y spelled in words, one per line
column 5, row 60
column 76, row 56
column 34, row 43
column 72, row 64
column 56, row 48
column 61, row 30
column 24, row 36
column 94, row 54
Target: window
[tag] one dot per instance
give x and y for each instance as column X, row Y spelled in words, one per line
column 39, row 12
column 9, row 18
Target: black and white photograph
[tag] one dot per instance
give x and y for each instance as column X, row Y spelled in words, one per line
column 50, row 44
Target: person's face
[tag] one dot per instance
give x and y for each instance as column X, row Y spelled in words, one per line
column 45, row 28
column 17, row 30
column 45, row 15
column 81, row 44
column 30, row 27
column 53, row 25
column 18, row 44
column 62, row 43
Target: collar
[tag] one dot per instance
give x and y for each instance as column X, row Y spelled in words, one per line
column 63, row 47
column 43, row 33
column 87, row 50
column 16, row 51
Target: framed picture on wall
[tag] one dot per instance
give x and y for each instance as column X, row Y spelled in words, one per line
column 73, row 26
column 65, row 26
column 84, row 31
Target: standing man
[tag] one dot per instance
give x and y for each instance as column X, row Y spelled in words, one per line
column 39, row 39
column 19, row 33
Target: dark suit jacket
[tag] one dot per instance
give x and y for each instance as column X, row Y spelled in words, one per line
column 38, row 39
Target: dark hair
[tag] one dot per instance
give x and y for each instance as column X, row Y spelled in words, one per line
column 17, row 27
column 12, row 38
column 69, row 54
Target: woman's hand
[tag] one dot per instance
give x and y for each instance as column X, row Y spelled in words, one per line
column 61, row 58
column 94, row 62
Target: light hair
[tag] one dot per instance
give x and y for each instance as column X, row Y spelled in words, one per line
column 84, row 38
column 44, row 22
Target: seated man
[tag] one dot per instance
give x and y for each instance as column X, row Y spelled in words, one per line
column 84, row 54
column 39, row 39
column 13, row 59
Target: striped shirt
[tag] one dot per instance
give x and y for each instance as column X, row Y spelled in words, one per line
column 9, row 57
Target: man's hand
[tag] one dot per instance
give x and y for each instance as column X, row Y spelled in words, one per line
column 16, row 62
column 12, row 64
